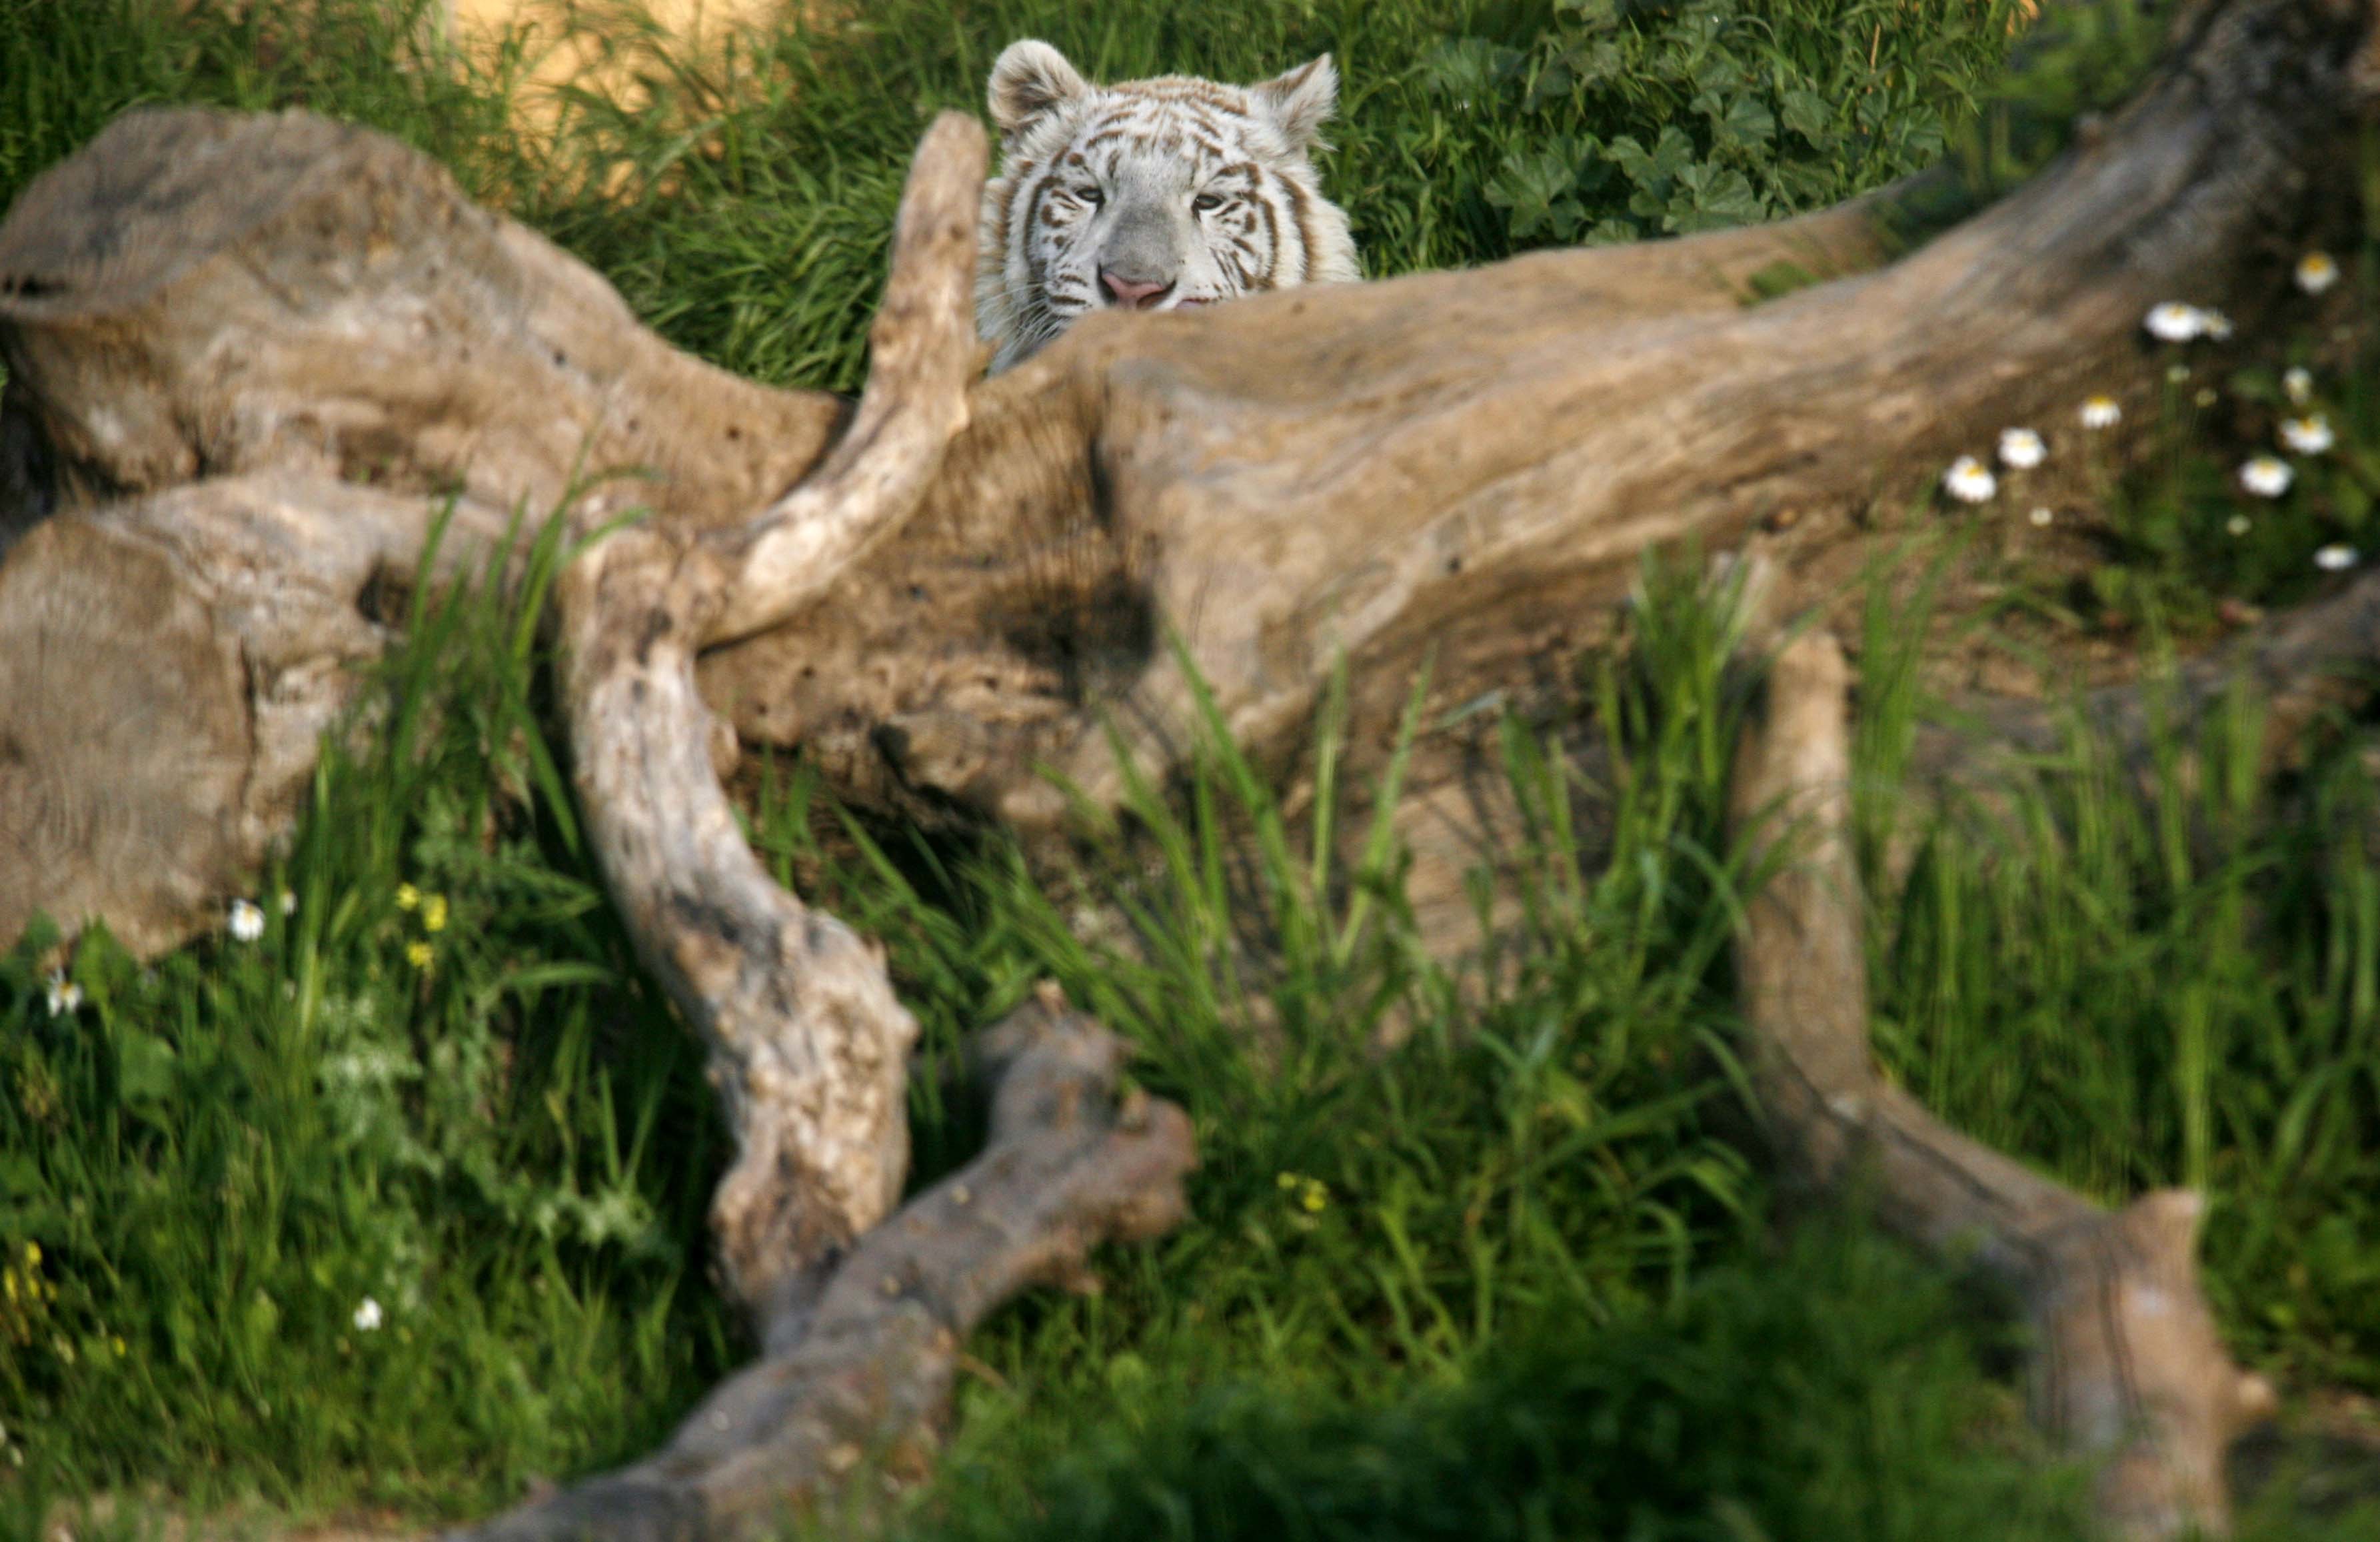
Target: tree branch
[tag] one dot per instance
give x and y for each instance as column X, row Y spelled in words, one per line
column 867, row 1374
column 2126, row 1365
column 922, row 352
column 807, row 1043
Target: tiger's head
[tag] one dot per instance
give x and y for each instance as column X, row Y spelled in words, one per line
column 1149, row 195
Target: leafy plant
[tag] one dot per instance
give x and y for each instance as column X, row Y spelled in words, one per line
column 1638, row 119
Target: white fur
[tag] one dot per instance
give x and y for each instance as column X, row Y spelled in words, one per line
column 1205, row 187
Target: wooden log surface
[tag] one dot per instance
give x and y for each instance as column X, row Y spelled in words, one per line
column 855, row 1386
column 808, row 1045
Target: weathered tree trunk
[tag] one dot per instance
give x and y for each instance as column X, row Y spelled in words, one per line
column 216, row 326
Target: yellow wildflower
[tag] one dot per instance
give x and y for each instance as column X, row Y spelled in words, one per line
column 433, row 913
column 419, row 954
column 408, row 896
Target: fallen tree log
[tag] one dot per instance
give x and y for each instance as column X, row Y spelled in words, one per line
column 960, row 584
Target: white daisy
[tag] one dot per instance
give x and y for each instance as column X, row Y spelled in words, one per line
column 2021, row 449
column 2238, row 525
column 368, row 1316
column 2174, row 322
column 288, row 901
column 2266, row 476
column 65, row 996
column 2205, row 396
column 2336, row 558
column 1969, row 481
column 246, row 921
column 2297, row 384
column 2101, row 411
column 2316, row 271
column 2216, row 324
column 2041, row 517
column 2309, row 436
column 2176, row 373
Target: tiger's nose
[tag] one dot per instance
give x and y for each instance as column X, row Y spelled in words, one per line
column 1133, row 294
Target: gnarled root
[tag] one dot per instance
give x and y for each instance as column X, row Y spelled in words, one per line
column 867, row 1372
column 2127, row 1362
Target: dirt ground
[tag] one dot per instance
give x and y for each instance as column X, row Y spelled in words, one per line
column 575, row 58
column 679, row 15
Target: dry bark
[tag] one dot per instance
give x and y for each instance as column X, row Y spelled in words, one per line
column 866, row 1373
column 168, row 665
column 808, row 1045
column 2127, row 1363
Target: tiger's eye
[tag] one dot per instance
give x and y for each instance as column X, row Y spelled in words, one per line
column 1207, row 203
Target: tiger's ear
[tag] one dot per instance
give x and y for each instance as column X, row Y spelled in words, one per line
column 1300, row 100
column 1030, row 79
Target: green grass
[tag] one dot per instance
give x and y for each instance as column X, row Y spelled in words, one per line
column 1519, row 1277
column 436, row 1083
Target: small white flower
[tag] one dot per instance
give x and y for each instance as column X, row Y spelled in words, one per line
column 2102, row 411
column 2297, row 384
column 2216, row 324
column 2239, row 524
column 289, row 902
column 65, row 996
column 2205, row 396
column 1969, row 481
column 2176, row 373
column 2336, row 558
column 246, row 921
column 367, row 1318
column 2174, row 322
column 2041, row 517
column 2021, row 449
column 2309, row 436
column 2266, row 476
column 2316, row 271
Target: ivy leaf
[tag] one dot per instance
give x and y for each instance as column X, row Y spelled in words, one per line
column 1712, row 197
column 1596, row 63
column 1744, row 121
column 1806, row 113
column 1656, row 169
column 1715, row 69
column 1534, row 187
column 1548, row 87
column 1802, row 185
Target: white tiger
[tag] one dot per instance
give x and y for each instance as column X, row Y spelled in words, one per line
column 1149, row 195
